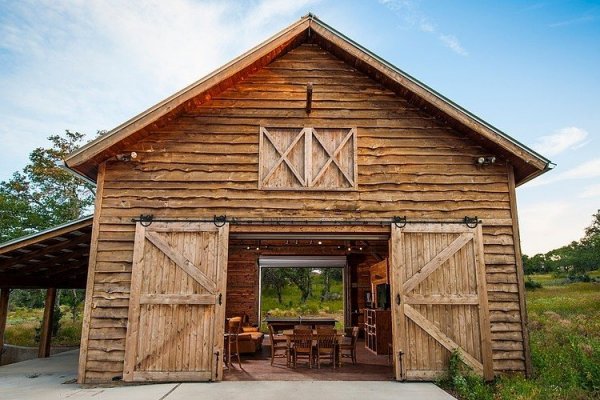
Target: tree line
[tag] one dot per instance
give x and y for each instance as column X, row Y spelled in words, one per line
column 578, row 257
column 279, row 278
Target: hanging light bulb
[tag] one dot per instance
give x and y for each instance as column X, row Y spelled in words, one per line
column 320, row 242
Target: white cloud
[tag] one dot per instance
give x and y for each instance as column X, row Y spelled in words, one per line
column 564, row 139
column 591, row 191
column 545, row 226
column 586, row 170
column 409, row 12
column 453, row 43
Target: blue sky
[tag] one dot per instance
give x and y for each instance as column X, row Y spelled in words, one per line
column 530, row 68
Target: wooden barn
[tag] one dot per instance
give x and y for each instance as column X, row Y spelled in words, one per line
column 307, row 147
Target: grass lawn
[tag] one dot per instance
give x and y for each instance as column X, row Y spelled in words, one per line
column 564, row 329
column 333, row 307
column 22, row 324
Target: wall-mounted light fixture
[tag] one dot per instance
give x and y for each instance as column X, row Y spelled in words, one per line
column 126, row 156
column 486, row 160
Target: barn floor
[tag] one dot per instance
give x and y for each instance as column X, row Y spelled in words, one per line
column 53, row 378
column 257, row 367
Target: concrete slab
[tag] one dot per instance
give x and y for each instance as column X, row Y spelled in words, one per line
column 302, row 390
column 44, row 379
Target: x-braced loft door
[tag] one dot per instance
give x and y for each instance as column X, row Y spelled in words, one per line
column 439, row 300
column 177, row 303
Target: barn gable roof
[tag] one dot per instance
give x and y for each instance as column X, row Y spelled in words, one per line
column 527, row 163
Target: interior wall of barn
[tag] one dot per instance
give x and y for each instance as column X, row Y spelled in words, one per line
column 205, row 163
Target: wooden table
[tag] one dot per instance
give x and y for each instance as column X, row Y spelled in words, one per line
column 282, row 323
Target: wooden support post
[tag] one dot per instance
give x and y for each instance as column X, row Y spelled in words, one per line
column 3, row 315
column 46, row 334
column 309, row 91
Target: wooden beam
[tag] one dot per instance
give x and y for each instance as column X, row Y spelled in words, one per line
column 46, row 334
column 309, row 92
column 47, row 235
column 519, row 267
column 4, row 294
column 178, row 299
column 52, row 249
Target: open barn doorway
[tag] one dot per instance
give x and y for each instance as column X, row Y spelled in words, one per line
column 351, row 262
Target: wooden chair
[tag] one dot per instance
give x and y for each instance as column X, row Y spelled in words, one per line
column 326, row 345
column 234, row 327
column 279, row 343
column 348, row 346
column 302, row 346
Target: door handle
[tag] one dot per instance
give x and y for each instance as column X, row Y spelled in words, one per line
column 398, row 299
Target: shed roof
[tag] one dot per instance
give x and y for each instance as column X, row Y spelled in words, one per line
column 528, row 164
column 56, row 257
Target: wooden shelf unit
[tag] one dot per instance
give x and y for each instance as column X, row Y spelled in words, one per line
column 378, row 330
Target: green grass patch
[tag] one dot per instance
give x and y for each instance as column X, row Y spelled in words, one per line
column 23, row 324
column 564, row 329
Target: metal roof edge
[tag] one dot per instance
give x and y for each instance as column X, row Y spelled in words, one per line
column 46, row 231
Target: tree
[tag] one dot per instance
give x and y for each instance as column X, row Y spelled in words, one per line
column 593, row 231
column 72, row 298
column 589, row 246
column 328, row 275
column 535, row 264
column 275, row 278
column 44, row 194
column 302, row 279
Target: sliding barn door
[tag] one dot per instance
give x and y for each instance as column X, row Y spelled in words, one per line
column 177, row 303
column 439, row 300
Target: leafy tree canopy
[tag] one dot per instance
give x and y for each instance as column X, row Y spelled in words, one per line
column 43, row 194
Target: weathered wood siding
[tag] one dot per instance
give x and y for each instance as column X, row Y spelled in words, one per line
column 242, row 284
column 206, row 163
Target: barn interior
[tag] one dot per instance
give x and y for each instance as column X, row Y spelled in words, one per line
column 365, row 274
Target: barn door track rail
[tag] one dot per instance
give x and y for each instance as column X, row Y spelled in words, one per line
column 220, row 220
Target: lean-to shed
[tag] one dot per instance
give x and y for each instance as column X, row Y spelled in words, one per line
column 307, row 134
